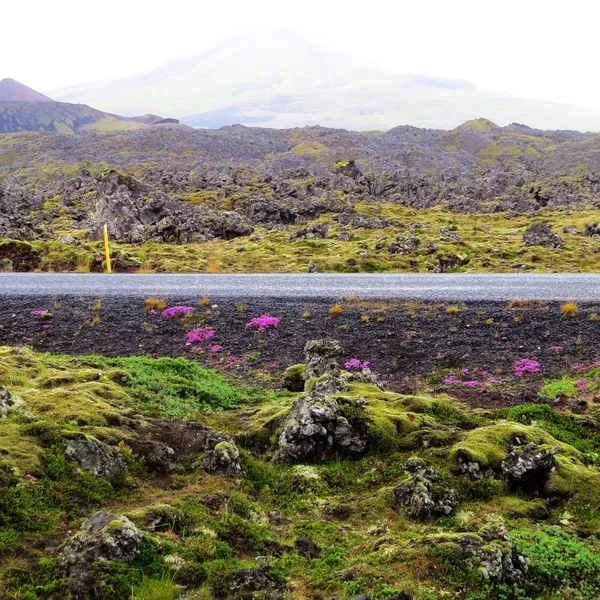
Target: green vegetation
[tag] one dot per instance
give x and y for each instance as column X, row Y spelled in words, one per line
column 175, row 387
column 490, row 243
column 201, row 529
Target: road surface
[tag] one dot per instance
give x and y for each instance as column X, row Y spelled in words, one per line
column 581, row 287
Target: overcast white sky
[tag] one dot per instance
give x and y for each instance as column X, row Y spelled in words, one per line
column 541, row 49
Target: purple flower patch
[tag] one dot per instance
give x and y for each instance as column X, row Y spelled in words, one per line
column 526, row 365
column 176, row 310
column 263, row 322
column 354, row 363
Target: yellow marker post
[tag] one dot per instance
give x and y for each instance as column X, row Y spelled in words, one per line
column 107, row 249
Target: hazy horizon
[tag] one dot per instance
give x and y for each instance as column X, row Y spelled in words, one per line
column 532, row 50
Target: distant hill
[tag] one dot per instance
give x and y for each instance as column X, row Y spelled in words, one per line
column 13, row 91
column 24, row 109
column 277, row 79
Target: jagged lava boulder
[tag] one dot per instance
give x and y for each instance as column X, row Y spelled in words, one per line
column 322, row 356
column 315, row 429
column 540, row 234
column 137, row 212
column 424, row 496
column 96, row 457
column 222, row 457
column 529, row 467
column 103, row 537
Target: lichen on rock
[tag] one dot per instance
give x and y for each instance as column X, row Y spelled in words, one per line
column 96, row 457
column 221, row 456
column 103, row 537
column 424, row 496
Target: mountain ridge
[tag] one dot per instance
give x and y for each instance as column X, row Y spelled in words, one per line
column 14, row 91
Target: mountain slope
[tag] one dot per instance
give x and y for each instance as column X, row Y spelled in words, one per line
column 277, row 79
column 62, row 117
column 13, row 91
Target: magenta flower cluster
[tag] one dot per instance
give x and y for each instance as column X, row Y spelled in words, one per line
column 526, row 365
column 199, row 336
column 467, row 378
column 176, row 310
column 39, row 313
column 581, row 367
column 354, row 363
column 263, row 322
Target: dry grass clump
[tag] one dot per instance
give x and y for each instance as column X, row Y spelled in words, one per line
column 517, row 303
column 157, row 304
column 336, row 309
column 569, row 309
column 452, row 310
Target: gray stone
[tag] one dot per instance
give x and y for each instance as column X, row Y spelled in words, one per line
column 422, row 497
column 494, row 554
column 6, row 402
column 99, row 459
column 316, row 429
column 104, row 536
column 404, row 245
column 528, row 467
column 540, row 234
column 322, row 356
column 313, row 267
column 221, row 456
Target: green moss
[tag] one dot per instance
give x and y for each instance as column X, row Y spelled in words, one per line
column 19, row 453
column 309, row 148
column 489, row 445
column 294, row 376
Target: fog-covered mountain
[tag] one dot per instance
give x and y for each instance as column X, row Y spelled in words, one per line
column 277, row 79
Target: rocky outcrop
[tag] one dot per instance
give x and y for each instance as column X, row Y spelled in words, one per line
column 103, row 537
column 95, row 457
column 221, row 457
column 404, row 245
column 322, row 356
column 424, row 496
column 540, row 234
column 492, row 552
column 136, row 212
column 529, row 467
column 314, row 231
column 294, row 377
column 315, row 429
column 16, row 203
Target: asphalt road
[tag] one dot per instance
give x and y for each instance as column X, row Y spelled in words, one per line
column 579, row 287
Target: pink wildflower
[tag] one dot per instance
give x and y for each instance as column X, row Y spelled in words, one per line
column 526, row 365
column 174, row 310
column 263, row 322
column 354, row 363
column 200, row 335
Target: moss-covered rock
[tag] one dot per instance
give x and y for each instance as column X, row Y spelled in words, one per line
column 294, row 378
